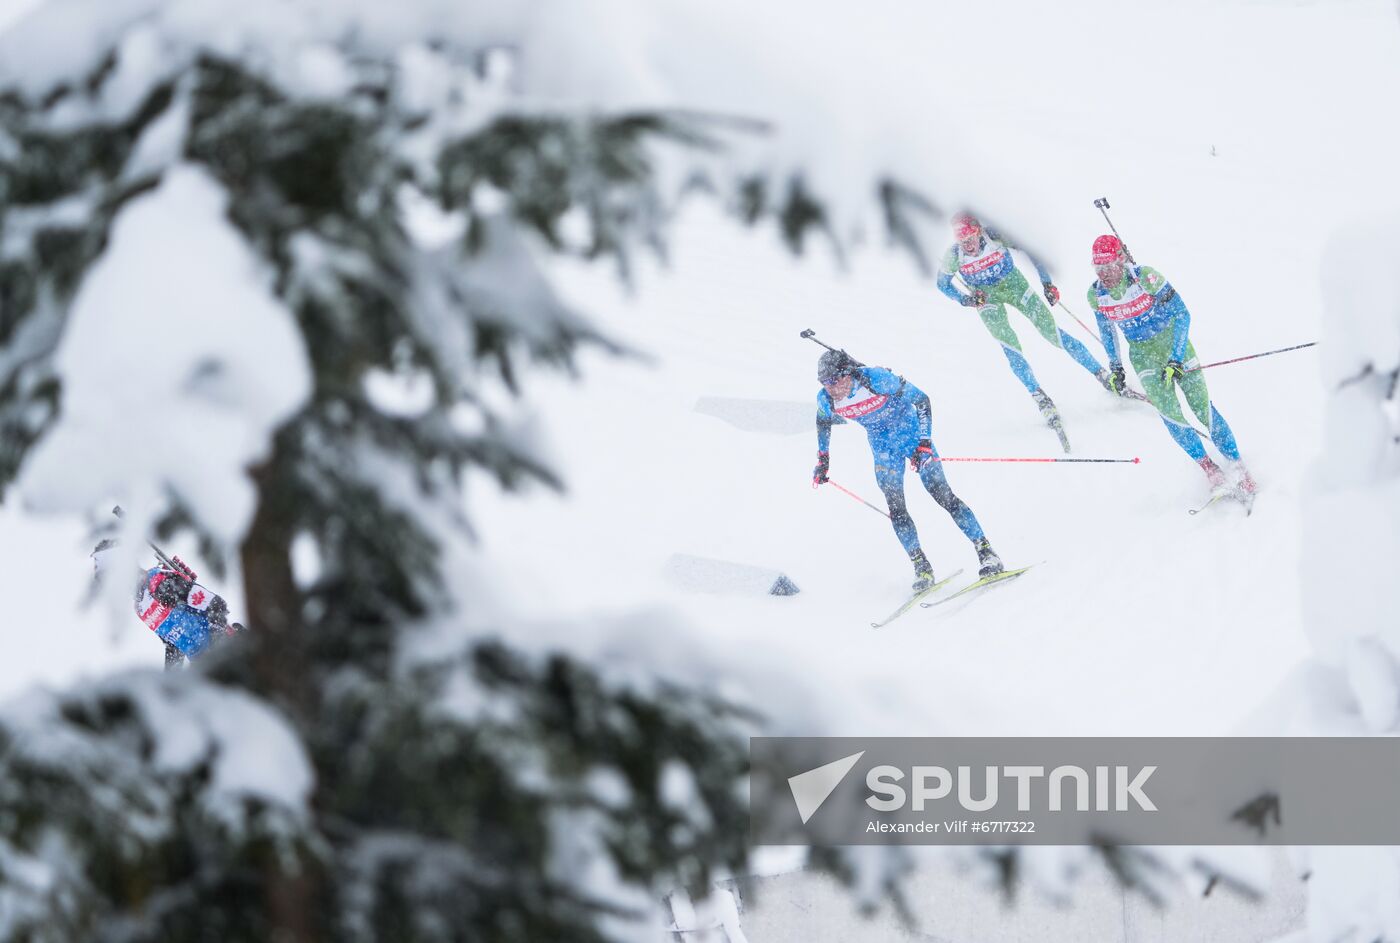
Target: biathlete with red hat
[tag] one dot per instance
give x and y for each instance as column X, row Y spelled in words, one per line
column 982, row 257
column 1154, row 320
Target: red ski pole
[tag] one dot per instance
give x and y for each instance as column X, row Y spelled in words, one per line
column 854, row 495
column 1089, row 330
column 960, row 458
column 1098, row 461
column 1267, row 353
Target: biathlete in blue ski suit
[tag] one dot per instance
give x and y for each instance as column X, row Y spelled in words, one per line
column 185, row 615
column 897, row 420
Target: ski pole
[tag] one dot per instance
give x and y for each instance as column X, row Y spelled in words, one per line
column 1102, row 204
column 1267, row 353
column 1089, row 330
column 1100, row 461
column 854, row 495
column 811, row 335
column 170, row 563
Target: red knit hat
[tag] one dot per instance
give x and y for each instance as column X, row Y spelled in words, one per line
column 1106, row 249
column 965, row 224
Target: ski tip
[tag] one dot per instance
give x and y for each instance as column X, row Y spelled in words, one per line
column 1136, row 460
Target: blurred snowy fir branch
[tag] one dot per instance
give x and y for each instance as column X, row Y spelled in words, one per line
column 373, row 805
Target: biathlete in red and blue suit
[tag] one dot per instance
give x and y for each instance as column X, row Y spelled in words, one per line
column 185, row 615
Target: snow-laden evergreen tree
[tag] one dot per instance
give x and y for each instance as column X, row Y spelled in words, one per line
column 1351, row 685
column 266, row 270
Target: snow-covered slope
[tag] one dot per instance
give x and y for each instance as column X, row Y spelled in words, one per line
column 1240, row 139
column 1142, row 620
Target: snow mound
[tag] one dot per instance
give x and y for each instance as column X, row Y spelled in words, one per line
column 708, row 575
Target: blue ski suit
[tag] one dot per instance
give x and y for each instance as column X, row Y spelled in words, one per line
column 896, row 416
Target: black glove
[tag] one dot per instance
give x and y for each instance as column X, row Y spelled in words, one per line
column 823, row 466
column 1174, row 371
column 923, row 452
column 1117, row 382
column 976, row 299
column 172, row 590
column 1052, row 294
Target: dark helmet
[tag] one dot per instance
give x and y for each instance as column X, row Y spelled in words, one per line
column 833, row 365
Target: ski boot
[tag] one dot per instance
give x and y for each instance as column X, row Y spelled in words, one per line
column 1245, row 488
column 1244, row 482
column 987, row 558
column 1051, row 416
column 923, row 571
column 1214, row 475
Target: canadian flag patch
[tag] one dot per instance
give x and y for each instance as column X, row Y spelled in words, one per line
column 198, row 598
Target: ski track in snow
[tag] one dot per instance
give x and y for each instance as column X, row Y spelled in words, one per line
column 1094, row 641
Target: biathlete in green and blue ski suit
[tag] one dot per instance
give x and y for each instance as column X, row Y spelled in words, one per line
column 1154, row 320
column 897, row 420
column 983, row 259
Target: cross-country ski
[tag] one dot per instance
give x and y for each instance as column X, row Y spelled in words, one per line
column 918, row 597
column 1227, row 495
column 994, row 579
